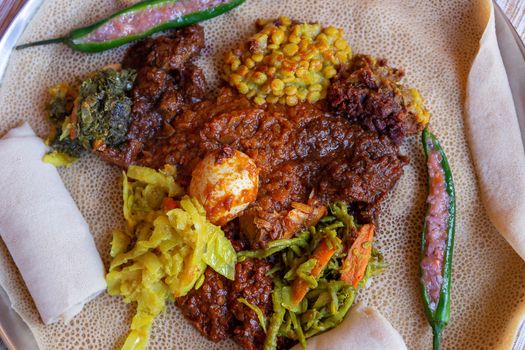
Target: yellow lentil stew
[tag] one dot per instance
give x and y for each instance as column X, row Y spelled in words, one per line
column 287, row 62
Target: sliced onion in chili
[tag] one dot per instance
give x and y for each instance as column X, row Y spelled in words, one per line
column 436, row 229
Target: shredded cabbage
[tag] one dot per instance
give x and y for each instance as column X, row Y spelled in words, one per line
column 156, row 178
column 161, row 254
column 220, row 254
column 59, row 159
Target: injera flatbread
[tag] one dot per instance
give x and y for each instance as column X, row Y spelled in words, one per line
column 435, row 41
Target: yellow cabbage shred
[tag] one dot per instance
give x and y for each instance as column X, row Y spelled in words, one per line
column 165, row 179
column 59, row 159
column 161, row 254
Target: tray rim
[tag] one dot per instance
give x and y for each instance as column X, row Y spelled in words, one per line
column 14, row 31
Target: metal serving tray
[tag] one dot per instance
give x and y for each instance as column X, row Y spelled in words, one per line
column 14, row 331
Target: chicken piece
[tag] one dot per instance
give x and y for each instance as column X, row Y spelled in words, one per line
column 302, row 216
column 286, row 224
column 225, row 182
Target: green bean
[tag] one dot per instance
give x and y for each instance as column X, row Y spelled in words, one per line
column 259, row 254
column 270, row 343
column 286, row 326
column 334, row 300
column 273, row 270
column 296, row 249
column 287, row 242
column 257, row 310
column 322, row 300
column 298, row 329
column 273, row 247
column 304, row 272
column 343, row 309
column 328, row 299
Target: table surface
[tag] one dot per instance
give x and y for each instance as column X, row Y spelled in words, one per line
column 514, row 9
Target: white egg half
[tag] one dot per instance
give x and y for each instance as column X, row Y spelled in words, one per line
column 225, row 182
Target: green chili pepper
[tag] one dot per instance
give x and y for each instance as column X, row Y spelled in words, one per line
column 139, row 21
column 438, row 313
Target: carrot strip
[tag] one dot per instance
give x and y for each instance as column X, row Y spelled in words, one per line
column 169, row 203
column 354, row 266
column 322, row 254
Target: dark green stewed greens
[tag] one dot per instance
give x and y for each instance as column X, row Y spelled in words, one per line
column 104, row 108
column 92, row 114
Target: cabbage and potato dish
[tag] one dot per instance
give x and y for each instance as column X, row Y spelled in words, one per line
column 164, row 249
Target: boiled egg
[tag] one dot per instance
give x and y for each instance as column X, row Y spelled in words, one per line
column 225, row 182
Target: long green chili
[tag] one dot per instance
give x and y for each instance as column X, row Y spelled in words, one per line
column 438, row 314
column 139, row 21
